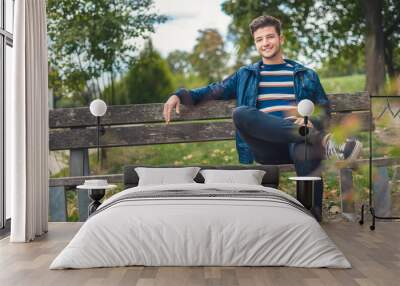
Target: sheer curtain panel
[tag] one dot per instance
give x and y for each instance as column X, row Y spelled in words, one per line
column 27, row 124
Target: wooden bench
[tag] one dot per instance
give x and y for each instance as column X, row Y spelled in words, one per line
column 142, row 124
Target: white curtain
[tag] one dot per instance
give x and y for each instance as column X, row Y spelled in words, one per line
column 27, row 124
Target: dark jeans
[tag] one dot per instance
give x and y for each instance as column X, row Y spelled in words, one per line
column 274, row 140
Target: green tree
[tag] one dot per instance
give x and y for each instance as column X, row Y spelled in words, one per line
column 91, row 41
column 209, row 58
column 322, row 28
column 183, row 73
column 341, row 65
column 148, row 80
column 179, row 62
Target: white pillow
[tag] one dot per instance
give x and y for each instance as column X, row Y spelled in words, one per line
column 163, row 176
column 249, row 177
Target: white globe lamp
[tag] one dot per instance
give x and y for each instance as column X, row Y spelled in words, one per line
column 98, row 107
column 305, row 108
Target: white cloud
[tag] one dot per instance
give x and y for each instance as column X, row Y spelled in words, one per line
column 188, row 17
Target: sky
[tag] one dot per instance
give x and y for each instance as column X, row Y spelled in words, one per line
column 188, row 16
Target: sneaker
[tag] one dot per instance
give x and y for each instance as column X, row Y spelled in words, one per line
column 348, row 151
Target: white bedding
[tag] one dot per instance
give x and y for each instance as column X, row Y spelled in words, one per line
column 200, row 231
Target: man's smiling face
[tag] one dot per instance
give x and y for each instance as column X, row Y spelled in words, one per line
column 268, row 42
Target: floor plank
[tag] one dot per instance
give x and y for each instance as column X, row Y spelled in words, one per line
column 374, row 255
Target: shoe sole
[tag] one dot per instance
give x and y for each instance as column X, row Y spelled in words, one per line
column 356, row 152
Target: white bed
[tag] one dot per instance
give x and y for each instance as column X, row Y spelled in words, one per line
column 206, row 230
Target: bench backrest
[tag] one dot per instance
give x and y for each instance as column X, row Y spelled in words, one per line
column 143, row 124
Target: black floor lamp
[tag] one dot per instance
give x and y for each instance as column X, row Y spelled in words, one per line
column 305, row 108
column 96, row 188
column 98, row 108
column 305, row 185
column 394, row 115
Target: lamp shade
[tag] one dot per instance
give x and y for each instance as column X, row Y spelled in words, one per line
column 98, row 107
column 305, row 107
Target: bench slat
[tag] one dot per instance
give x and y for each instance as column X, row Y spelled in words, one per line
column 142, row 135
column 152, row 113
column 79, row 180
column 345, row 102
column 139, row 113
column 362, row 118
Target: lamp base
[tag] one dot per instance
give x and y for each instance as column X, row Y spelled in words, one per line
column 96, row 195
column 303, row 130
column 305, row 193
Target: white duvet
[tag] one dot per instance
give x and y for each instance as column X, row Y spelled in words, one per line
column 200, row 231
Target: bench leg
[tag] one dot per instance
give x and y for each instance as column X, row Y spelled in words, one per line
column 382, row 198
column 79, row 166
column 57, row 204
column 347, row 194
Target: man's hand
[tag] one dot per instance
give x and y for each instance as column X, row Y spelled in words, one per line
column 172, row 102
column 299, row 121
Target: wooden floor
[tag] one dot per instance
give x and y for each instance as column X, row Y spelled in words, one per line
column 375, row 257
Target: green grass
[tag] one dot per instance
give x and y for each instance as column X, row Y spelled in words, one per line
column 204, row 153
column 344, row 84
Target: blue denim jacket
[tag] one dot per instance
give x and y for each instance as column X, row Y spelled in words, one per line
column 243, row 86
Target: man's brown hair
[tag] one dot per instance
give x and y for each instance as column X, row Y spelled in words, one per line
column 265, row 21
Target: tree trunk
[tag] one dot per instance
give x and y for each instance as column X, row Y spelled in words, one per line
column 389, row 59
column 112, row 87
column 374, row 46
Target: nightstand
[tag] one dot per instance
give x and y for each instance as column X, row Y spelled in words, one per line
column 305, row 190
column 96, row 193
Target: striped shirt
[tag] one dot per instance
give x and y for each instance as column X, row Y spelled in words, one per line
column 275, row 89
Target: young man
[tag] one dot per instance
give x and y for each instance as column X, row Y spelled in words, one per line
column 266, row 118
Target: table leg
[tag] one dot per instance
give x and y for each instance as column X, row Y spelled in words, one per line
column 305, row 193
column 96, row 196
